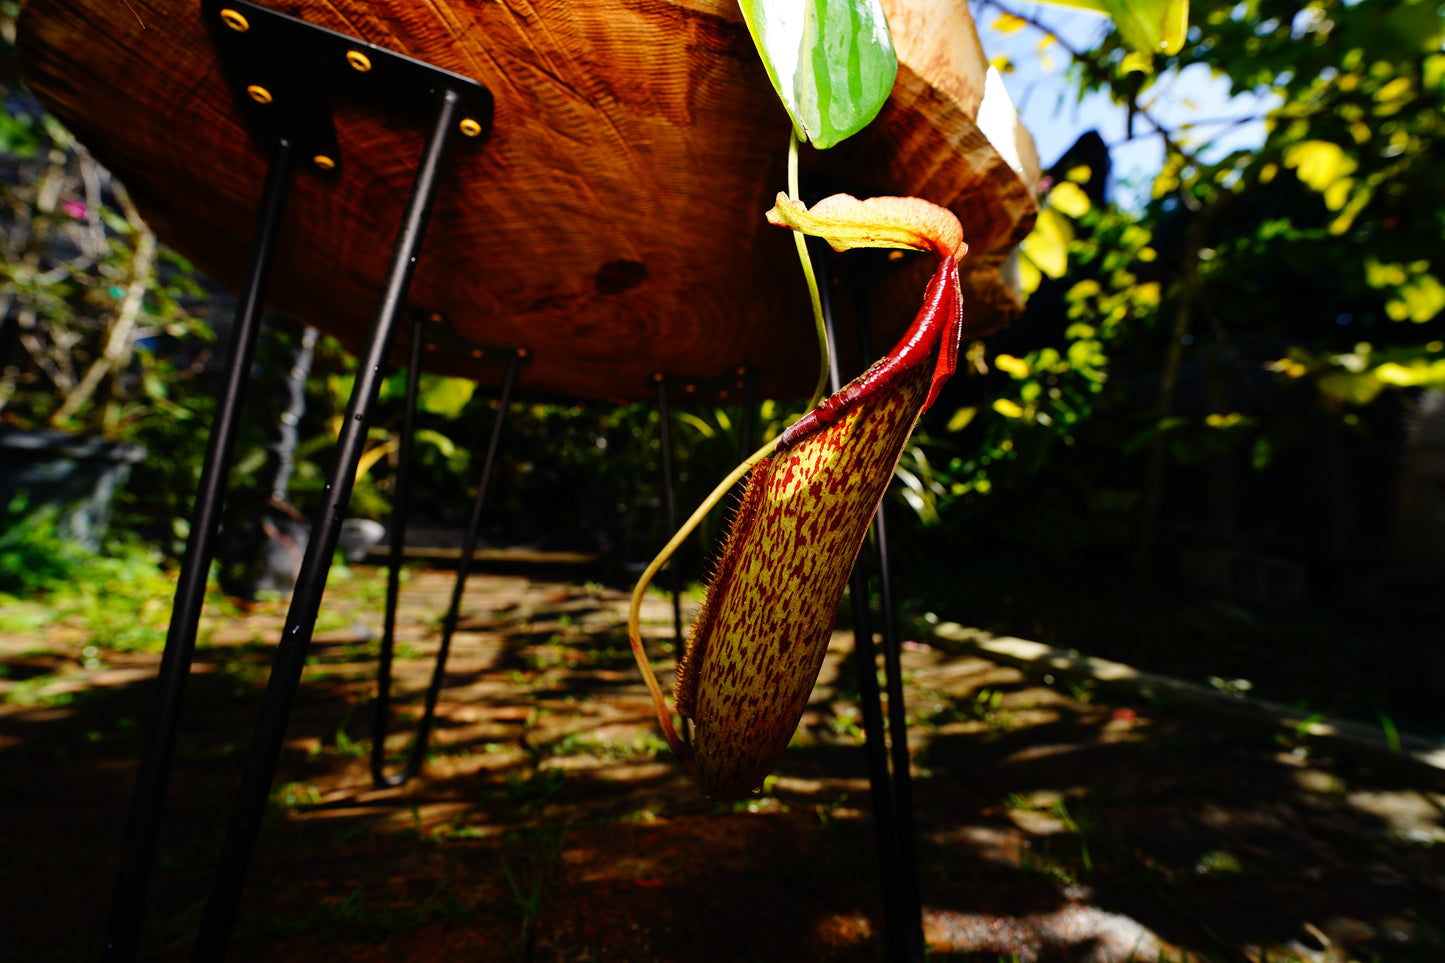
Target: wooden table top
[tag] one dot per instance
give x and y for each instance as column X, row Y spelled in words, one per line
column 611, row 224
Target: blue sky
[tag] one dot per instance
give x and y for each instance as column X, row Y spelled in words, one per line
column 1056, row 118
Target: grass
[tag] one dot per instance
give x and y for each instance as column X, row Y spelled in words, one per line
column 1089, row 844
column 120, row 598
column 362, row 911
column 985, row 705
column 641, row 747
column 534, row 789
column 528, row 877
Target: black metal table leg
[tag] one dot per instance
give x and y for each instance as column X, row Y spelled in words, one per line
column 449, row 624
column 669, row 507
column 669, row 501
column 128, row 905
column 893, row 680
column 250, row 804
column 885, row 821
column 750, row 404
column 897, row 852
column 401, row 505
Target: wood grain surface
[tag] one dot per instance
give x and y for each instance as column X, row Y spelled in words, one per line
column 612, row 224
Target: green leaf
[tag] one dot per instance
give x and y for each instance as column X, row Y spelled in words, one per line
column 1150, row 26
column 961, row 419
column 1357, row 389
column 1319, row 163
column 445, row 396
column 1069, row 198
column 1047, row 247
column 1009, row 23
column 1147, row 26
column 830, row 61
column 443, row 444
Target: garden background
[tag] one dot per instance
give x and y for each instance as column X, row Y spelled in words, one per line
column 1212, row 448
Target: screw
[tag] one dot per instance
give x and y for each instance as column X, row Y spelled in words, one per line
column 234, row 20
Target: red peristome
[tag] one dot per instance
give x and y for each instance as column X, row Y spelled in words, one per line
column 935, row 333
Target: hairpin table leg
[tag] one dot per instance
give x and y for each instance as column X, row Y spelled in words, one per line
column 449, row 624
column 885, row 818
column 669, row 506
column 401, row 506
column 669, row 500
column 750, row 404
column 893, row 677
column 250, row 804
column 128, row 904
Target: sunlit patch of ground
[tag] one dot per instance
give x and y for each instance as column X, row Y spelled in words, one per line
column 551, row 823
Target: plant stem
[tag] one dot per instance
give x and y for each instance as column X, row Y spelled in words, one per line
column 807, row 262
column 634, row 613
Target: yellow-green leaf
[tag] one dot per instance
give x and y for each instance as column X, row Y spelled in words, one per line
column 1070, row 199
column 1418, row 373
column 961, row 419
column 1014, row 367
column 1150, row 26
column 1137, row 62
column 1007, row 408
column 440, row 441
column 1009, row 23
column 446, row 396
column 1378, row 275
column 1319, row 163
column 1424, row 298
column 1030, row 277
column 1047, row 246
column 1338, row 192
column 1356, row 389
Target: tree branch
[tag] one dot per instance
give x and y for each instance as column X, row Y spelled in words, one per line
column 1081, row 58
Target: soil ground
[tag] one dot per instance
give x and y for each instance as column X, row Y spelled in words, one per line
column 551, row 824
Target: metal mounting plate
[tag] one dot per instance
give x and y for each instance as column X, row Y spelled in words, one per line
column 729, row 389
column 288, row 75
column 440, row 337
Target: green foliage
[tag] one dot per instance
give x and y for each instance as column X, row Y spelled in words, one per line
column 94, row 300
column 1257, row 299
column 33, row 556
column 120, row 598
column 1147, row 26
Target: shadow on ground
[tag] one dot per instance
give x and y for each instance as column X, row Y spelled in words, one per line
column 551, row 824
